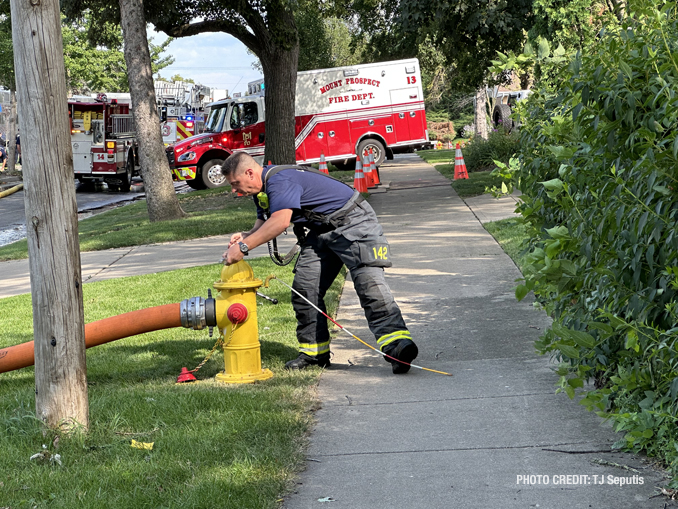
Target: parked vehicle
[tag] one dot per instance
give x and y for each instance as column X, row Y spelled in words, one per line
column 340, row 112
column 103, row 140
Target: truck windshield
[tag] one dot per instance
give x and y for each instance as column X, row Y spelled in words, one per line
column 215, row 121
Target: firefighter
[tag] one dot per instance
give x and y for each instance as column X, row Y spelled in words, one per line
column 336, row 227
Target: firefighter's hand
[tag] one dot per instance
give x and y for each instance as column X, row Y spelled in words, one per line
column 236, row 237
column 233, row 255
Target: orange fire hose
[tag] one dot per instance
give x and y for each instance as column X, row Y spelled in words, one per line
column 102, row 331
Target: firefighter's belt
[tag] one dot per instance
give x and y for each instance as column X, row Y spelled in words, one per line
column 339, row 217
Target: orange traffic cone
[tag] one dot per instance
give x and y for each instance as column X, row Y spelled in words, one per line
column 322, row 165
column 375, row 172
column 367, row 170
column 459, row 165
column 449, row 145
column 359, row 181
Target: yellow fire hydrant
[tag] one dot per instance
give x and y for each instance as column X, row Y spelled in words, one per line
column 236, row 307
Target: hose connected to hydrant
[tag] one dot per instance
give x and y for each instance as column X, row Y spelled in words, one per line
column 102, row 331
column 234, row 307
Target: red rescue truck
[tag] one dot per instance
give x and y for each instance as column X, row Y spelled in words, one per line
column 340, row 112
column 103, row 141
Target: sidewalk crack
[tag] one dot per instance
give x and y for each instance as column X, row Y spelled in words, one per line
column 353, row 403
column 458, row 449
column 110, row 264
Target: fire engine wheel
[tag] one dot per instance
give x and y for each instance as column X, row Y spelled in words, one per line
column 377, row 150
column 126, row 178
column 211, row 174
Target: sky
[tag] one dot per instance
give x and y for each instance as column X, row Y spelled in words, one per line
column 216, row 60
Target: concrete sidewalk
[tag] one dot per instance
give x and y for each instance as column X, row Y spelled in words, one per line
column 424, row 440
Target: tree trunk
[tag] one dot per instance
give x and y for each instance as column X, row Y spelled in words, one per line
column 51, row 216
column 11, row 132
column 480, row 113
column 280, row 73
column 161, row 198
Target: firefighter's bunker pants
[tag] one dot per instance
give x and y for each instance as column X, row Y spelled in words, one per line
column 362, row 247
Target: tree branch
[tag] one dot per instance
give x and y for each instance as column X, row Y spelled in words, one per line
column 235, row 29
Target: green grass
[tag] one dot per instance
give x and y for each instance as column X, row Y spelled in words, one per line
column 443, row 161
column 215, row 445
column 511, row 234
column 210, row 212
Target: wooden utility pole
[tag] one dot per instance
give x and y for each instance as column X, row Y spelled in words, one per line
column 161, row 199
column 51, row 215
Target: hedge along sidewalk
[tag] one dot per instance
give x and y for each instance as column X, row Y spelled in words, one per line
column 212, row 442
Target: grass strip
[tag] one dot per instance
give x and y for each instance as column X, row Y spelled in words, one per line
column 215, row 445
column 443, row 161
column 210, row 212
column 512, row 236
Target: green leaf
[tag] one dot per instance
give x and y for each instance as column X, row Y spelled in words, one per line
column 632, row 341
column 553, row 185
column 558, row 232
column 625, row 67
column 569, row 391
column 583, row 339
column 543, row 48
column 575, row 382
column 648, row 433
column 675, row 147
column 568, row 350
column 521, row 292
column 601, row 326
column 674, row 388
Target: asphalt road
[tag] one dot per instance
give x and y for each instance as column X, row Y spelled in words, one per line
column 13, row 218
column 12, row 207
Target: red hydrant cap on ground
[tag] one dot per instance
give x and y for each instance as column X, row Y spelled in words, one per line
column 185, row 376
column 237, row 313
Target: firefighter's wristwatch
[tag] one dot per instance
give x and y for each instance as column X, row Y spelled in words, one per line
column 243, row 248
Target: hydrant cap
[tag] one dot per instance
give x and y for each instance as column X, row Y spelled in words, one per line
column 237, row 313
column 238, row 275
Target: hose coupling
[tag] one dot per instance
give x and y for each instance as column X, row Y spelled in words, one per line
column 198, row 313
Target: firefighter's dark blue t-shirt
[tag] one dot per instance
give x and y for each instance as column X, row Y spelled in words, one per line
column 294, row 189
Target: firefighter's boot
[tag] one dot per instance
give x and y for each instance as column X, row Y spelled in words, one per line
column 404, row 350
column 304, row 361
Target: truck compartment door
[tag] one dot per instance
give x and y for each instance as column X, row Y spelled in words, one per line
column 82, row 157
column 407, row 115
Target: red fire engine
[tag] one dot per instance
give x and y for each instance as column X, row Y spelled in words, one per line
column 340, row 112
column 103, row 140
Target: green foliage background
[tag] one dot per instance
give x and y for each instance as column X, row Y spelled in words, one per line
column 599, row 180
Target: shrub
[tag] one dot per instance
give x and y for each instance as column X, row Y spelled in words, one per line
column 599, row 184
column 479, row 154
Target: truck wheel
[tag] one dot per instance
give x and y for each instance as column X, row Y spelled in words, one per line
column 502, row 117
column 210, row 174
column 377, row 150
column 126, row 178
